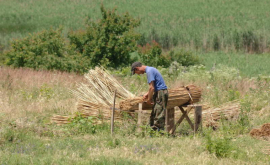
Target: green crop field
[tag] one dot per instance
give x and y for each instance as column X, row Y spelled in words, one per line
column 249, row 65
column 198, row 24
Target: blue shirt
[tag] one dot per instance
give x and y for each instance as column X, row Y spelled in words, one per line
column 154, row 75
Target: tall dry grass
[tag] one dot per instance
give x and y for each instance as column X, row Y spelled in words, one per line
column 25, row 91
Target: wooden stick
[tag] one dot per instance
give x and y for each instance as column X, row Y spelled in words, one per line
column 112, row 118
column 198, row 117
column 186, row 116
column 140, row 113
column 169, row 120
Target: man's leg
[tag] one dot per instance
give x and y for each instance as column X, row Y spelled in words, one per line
column 153, row 113
column 160, row 108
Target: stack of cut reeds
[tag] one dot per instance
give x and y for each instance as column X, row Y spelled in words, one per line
column 96, row 97
column 226, row 111
column 58, row 119
column 177, row 97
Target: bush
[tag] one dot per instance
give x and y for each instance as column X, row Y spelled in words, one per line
column 109, row 41
column 150, row 54
column 250, row 41
column 185, row 58
column 82, row 125
column 45, row 50
column 221, row 147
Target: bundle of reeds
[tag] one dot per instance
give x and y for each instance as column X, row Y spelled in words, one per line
column 183, row 95
column 59, row 120
column 89, row 109
column 100, row 88
column 227, row 111
column 177, row 97
column 96, row 97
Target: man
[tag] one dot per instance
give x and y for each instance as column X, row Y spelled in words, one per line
column 157, row 92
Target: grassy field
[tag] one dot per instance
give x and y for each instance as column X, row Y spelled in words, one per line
column 30, row 98
column 248, row 65
column 195, row 24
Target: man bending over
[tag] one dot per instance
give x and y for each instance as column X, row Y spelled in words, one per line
column 157, row 92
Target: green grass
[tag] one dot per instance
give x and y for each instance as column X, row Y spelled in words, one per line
column 187, row 23
column 248, row 65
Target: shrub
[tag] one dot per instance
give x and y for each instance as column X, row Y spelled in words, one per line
column 151, row 54
column 45, row 50
column 82, row 125
column 109, row 41
column 250, row 41
column 216, row 43
column 185, row 58
column 221, row 147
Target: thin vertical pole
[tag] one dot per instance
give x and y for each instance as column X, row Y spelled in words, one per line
column 112, row 117
column 198, row 118
column 166, row 120
column 139, row 123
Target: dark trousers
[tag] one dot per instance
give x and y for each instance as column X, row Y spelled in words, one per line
column 157, row 118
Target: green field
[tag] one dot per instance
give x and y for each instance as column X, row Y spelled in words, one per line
column 248, row 65
column 196, row 24
column 231, row 38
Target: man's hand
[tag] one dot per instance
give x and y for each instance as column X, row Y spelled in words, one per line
column 149, row 102
column 145, row 96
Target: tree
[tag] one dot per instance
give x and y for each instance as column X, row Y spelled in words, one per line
column 109, row 41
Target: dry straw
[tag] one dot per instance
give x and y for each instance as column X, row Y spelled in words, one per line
column 177, row 97
column 226, row 111
column 95, row 98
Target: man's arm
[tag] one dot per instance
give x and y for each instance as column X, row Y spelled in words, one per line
column 150, row 92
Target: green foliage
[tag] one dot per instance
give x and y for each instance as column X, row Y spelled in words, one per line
column 108, row 41
column 216, row 43
column 233, row 95
column 147, row 131
column 113, row 142
column 44, row 91
column 2, row 58
column 248, row 65
column 151, row 55
column 13, row 134
column 221, row 147
column 82, row 125
column 243, row 118
column 185, row 58
column 250, row 41
column 45, row 50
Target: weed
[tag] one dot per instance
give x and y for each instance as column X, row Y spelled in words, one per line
column 147, row 131
column 113, row 142
column 82, row 125
column 221, row 147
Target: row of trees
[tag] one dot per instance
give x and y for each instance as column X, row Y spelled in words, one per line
column 109, row 42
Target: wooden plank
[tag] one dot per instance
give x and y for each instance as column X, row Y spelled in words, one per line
column 186, row 116
column 169, row 120
column 140, row 113
column 198, row 117
column 179, row 121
